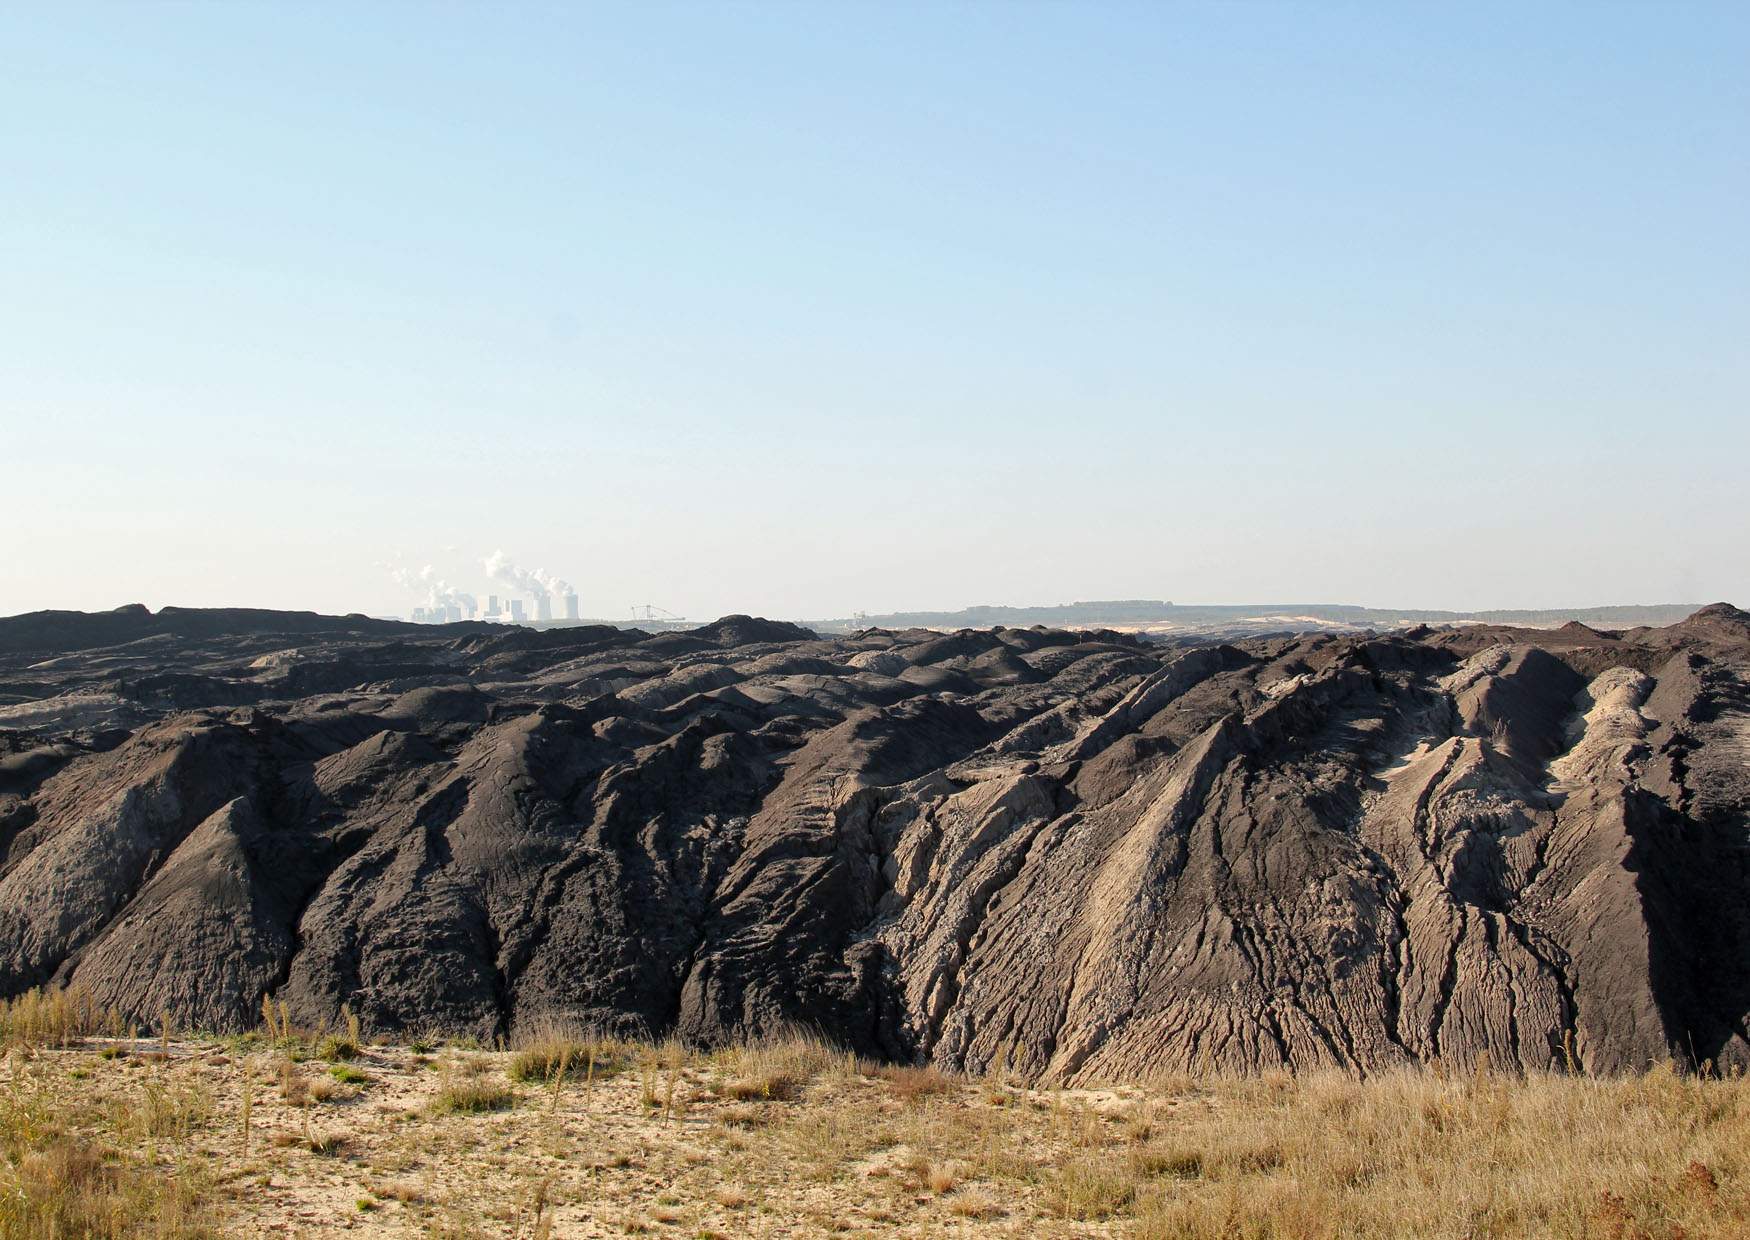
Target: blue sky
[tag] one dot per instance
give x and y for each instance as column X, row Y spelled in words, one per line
column 805, row 309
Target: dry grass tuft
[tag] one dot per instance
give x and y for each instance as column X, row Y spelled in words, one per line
column 327, row 1144
column 404, row 1191
column 777, row 1069
column 912, row 1084
column 549, row 1061
column 974, row 1204
column 744, row 1115
column 325, row 1089
column 337, row 1049
column 466, row 1089
column 553, row 1050
column 941, row 1179
column 294, row 1086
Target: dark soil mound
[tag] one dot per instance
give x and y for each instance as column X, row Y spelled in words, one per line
column 1073, row 855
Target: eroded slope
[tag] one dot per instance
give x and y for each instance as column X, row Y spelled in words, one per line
column 1068, row 855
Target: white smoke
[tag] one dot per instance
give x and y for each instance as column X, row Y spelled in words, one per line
column 438, row 592
column 538, row 583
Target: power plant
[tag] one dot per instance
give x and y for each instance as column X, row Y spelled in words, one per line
column 509, row 611
column 443, row 613
column 445, row 604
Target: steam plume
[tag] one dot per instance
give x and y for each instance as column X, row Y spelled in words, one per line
column 437, row 591
column 536, row 582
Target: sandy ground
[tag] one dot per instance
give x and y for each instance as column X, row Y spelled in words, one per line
column 652, row 1149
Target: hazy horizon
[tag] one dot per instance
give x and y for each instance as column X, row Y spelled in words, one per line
column 805, row 311
column 1264, row 606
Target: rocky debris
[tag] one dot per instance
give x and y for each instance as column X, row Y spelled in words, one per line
column 1068, row 855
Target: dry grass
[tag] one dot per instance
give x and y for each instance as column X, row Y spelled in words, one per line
column 294, row 1086
column 39, row 1018
column 337, row 1049
column 777, row 1069
column 404, row 1191
column 467, row 1088
column 173, row 1109
column 184, row 1138
column 1419, row 1154
column 553, row 1050
column 1091, row 1186
column 974, row 1205
column 326, row 1089
column 912, row 1084
column 70, row 1166
column 70, row 1188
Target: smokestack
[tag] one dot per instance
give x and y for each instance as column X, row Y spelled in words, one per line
column 570, row 606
